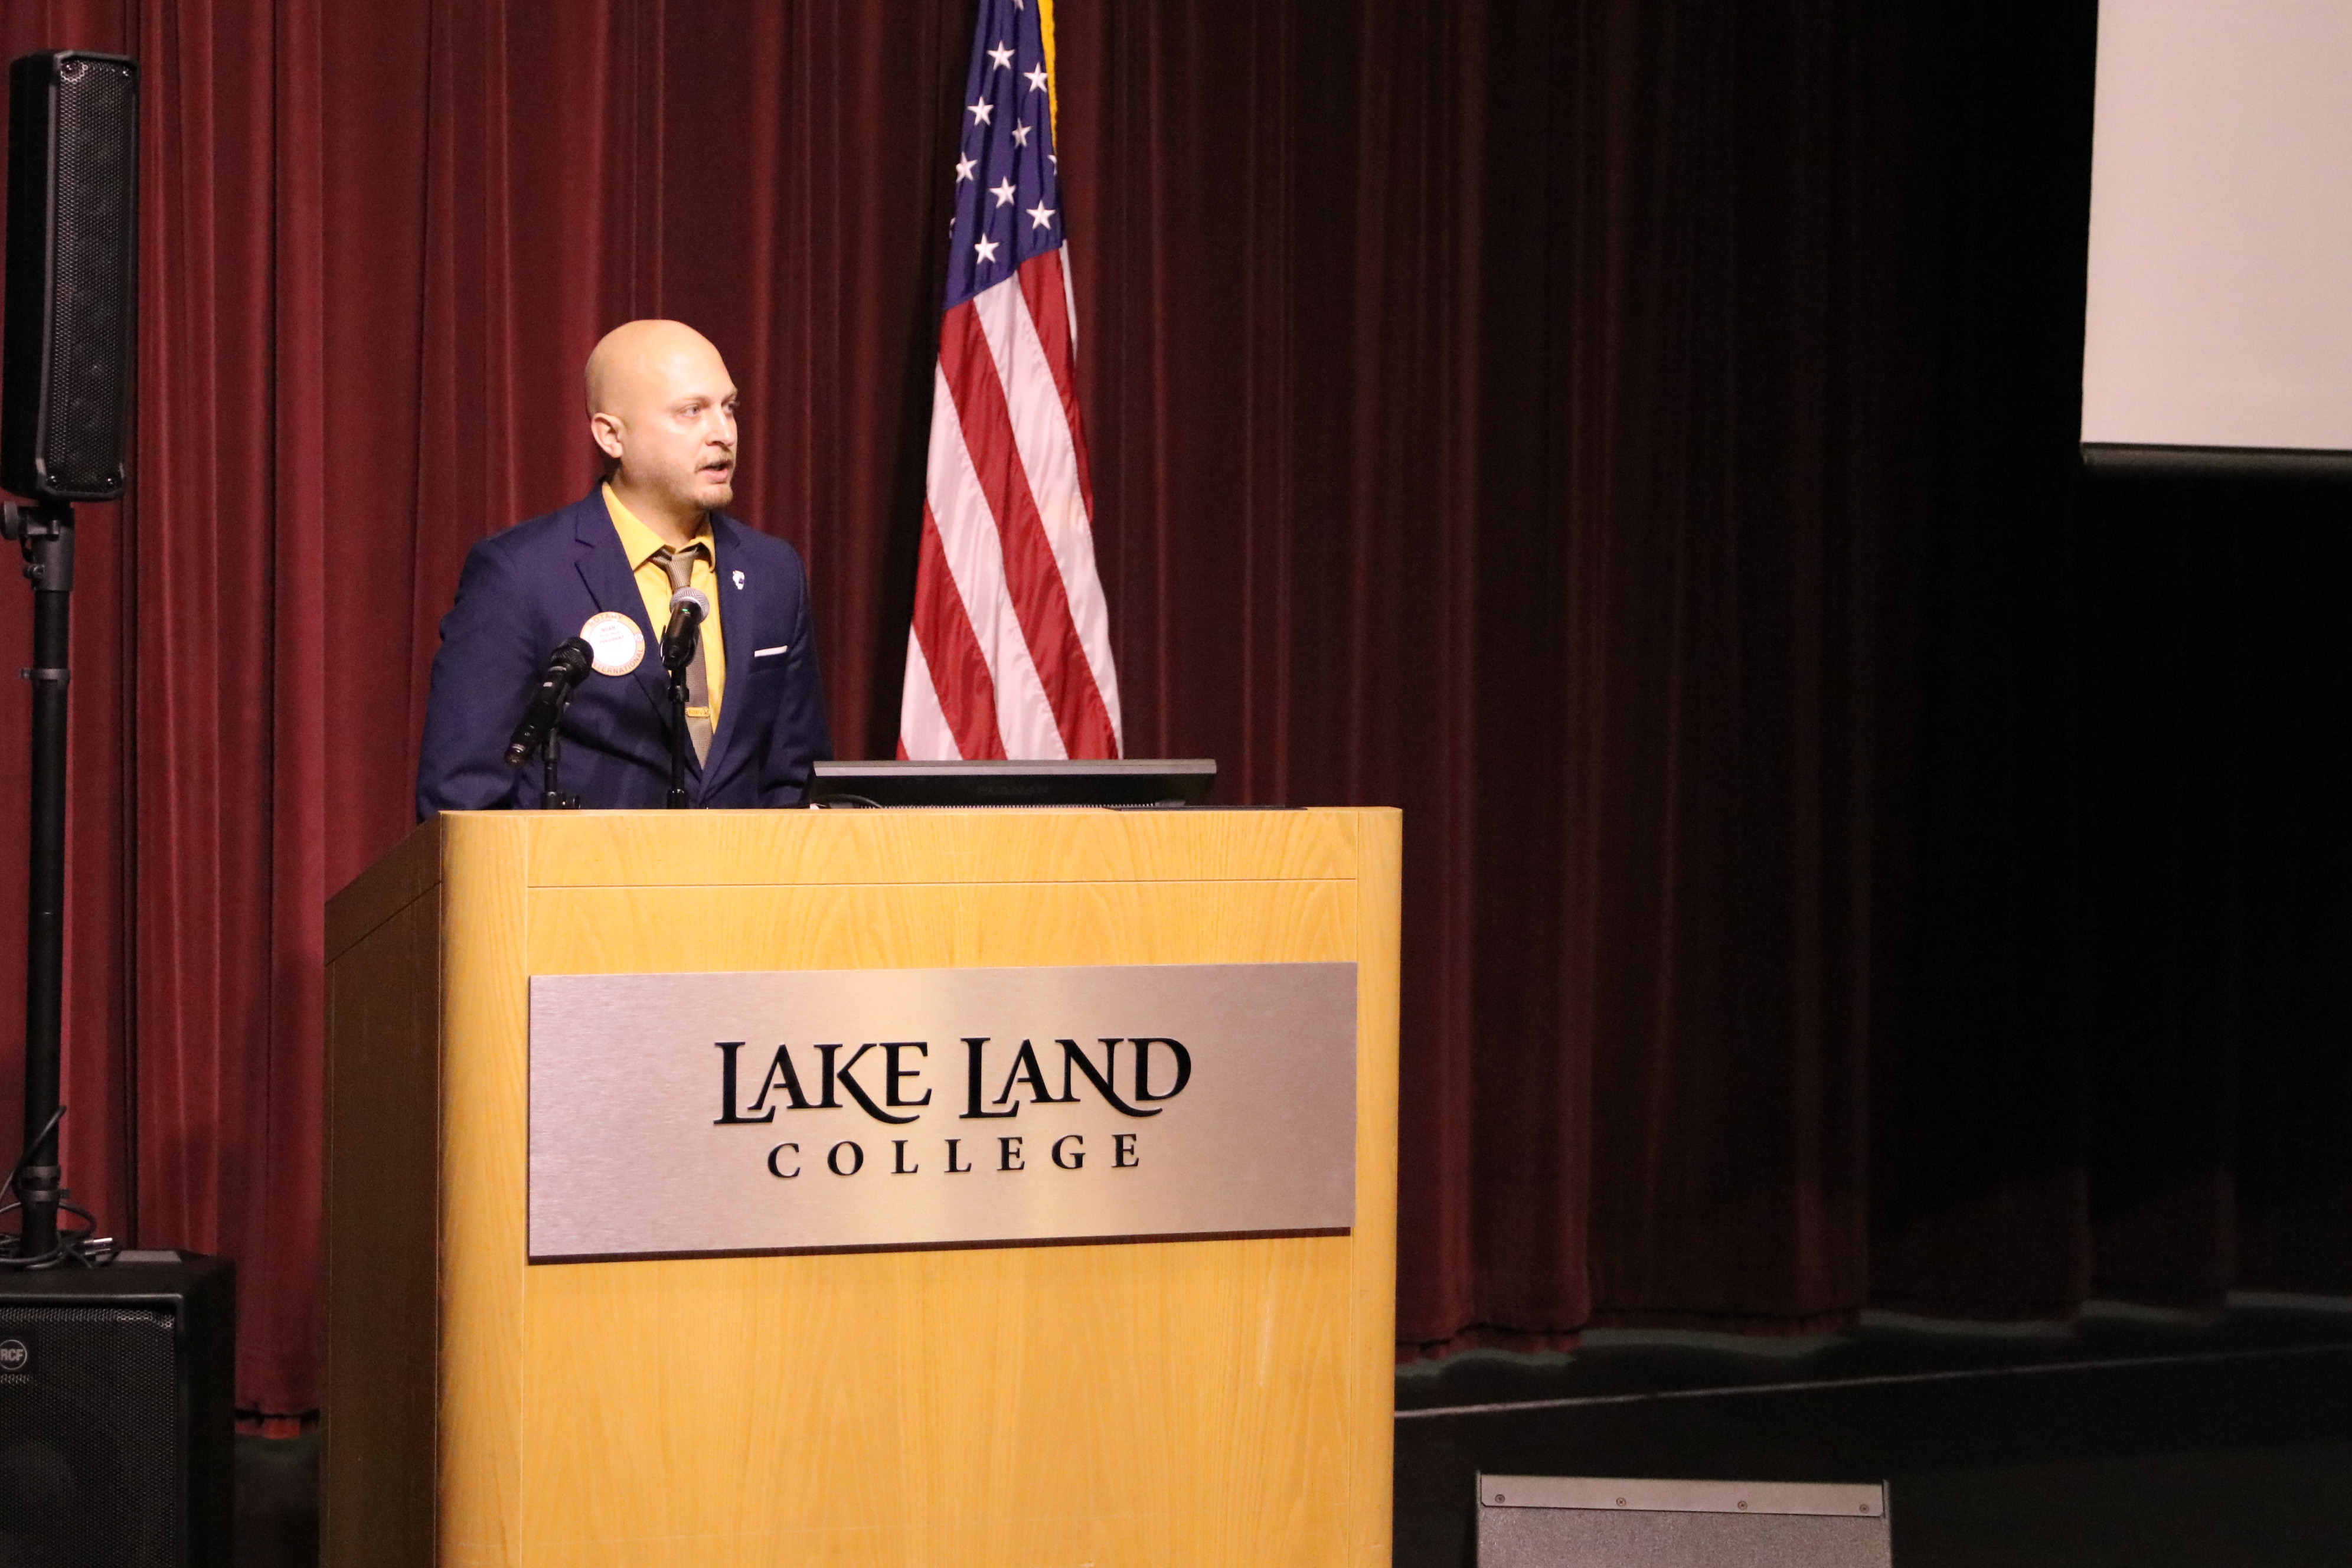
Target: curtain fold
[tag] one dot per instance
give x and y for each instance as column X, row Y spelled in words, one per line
column 1513, row 426
column 1849, row 859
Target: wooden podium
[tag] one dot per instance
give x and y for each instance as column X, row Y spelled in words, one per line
column 1222, row 1402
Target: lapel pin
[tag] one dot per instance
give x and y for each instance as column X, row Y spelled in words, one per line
column 738, row 580
column 618, row 646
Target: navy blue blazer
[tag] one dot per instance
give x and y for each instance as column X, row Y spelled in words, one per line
column 528, row 588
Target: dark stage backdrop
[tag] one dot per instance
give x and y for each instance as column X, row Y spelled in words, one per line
column 1846, row 859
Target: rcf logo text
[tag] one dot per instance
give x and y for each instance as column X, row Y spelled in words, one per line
column 1133, row 1077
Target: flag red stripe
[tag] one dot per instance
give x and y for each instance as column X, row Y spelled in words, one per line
column 1031, row 574
column 1045, row 287
column 959, row 669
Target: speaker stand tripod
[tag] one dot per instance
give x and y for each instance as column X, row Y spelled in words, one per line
column 45, row 533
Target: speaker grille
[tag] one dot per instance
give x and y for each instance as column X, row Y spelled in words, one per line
column 72, row 257
column 96, row 135
column 90, row 1463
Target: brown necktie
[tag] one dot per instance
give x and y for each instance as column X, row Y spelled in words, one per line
column 679, row 565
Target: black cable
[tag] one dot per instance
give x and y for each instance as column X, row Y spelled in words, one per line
column 26, row 1158
column 73, row 1247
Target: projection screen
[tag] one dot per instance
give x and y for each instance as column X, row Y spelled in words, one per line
column 2220, row 311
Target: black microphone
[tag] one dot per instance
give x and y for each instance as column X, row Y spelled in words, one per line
column 566, row 668
column 688, row 609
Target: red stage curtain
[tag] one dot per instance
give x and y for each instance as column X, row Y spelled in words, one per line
column 377, row 242
column 1476, row 391
column 1634, row 437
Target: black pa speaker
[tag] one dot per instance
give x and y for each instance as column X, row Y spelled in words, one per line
column 73, row 247
column 116, row 1420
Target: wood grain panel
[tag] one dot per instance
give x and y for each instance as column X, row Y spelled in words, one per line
column 1380, row 918
column 396, row 881
column 485, row 1122
column 1169, row 1404
column 1177, row 1404
column 382, row 1095
column 1196, row 1397
column 593, row 849
column 605, row 930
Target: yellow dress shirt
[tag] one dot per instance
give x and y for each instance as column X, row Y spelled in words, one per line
column 639, row 542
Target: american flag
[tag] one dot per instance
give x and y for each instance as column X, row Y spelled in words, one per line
column 1009, row 654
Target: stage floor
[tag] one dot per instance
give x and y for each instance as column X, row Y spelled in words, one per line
column 2135, row 1439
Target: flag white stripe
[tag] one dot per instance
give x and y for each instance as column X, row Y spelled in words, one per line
column 922, row 722
column 975, row 560
column 1041, row 434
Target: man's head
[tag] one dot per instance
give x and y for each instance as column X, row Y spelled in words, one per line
column 662, row 406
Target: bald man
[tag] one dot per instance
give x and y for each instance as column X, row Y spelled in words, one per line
column 661, row 407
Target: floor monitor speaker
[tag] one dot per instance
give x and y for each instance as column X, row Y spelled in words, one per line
column 73, row 247
column 1584, row 1522
column 116, row 1420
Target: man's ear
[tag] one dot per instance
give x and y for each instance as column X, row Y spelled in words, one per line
column 604, row 429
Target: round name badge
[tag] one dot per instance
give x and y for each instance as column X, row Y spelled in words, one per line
column 619, row 648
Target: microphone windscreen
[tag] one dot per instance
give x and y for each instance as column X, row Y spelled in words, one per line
column 695, row 597
column 573, row 656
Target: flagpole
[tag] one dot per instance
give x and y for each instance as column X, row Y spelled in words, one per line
column 1052, row 77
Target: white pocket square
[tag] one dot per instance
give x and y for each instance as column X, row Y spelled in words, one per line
column 769, row 652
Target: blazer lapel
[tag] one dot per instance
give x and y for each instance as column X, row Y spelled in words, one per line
column 736, row 615
column 605, row 568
